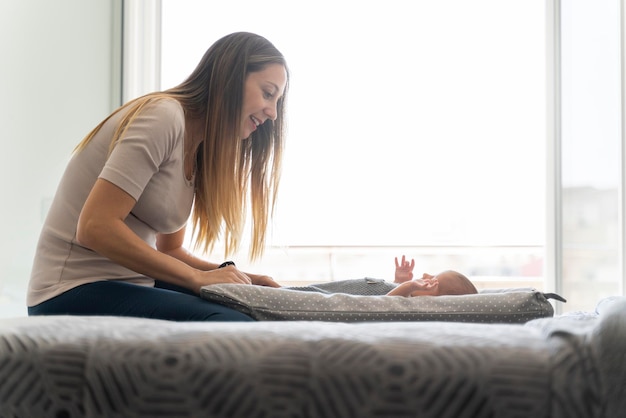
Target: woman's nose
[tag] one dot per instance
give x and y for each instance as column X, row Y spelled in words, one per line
column 271, row 112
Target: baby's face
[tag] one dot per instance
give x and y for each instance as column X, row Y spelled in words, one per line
column 449, row 282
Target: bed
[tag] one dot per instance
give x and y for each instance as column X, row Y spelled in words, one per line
column 571, row 365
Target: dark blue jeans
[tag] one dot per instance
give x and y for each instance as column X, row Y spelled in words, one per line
column 117, row 298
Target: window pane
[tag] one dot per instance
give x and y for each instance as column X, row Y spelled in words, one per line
column 591, row 138
column 413, row 126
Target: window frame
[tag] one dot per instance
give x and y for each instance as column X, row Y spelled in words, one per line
column 145, row 38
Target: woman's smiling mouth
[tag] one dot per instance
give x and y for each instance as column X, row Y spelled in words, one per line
column 256, row 122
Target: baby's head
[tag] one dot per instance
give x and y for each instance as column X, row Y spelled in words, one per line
column 452, row 283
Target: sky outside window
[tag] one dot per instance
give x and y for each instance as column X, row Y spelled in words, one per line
column 410, row 123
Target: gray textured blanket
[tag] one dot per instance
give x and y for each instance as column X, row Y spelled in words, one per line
column 567, row 366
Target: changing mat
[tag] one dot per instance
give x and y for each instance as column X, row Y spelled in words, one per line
column 323, row 303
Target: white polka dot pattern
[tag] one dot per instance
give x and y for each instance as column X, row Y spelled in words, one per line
column 265, row 303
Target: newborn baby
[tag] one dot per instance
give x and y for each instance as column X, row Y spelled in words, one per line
column 445, row 283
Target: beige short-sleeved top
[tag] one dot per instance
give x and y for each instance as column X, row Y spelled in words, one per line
column 148, row 163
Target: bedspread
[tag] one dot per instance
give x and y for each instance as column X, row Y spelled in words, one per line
column 567, row 366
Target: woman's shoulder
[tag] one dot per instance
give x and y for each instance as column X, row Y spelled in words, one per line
column 164, row 115
column 158, row 119
column 167, row 107
column 159, row 109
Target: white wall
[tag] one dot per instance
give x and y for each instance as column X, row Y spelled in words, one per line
column 59, row 76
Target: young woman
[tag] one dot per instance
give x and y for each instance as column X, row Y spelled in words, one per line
column 112, row 243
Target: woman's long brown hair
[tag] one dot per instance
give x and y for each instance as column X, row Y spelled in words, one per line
column 232, row 174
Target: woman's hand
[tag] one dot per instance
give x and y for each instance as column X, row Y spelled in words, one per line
column 261, row 280
column 228, row 274
column 231, row 274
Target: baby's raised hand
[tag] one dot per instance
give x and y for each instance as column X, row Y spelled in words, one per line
column 404, row 270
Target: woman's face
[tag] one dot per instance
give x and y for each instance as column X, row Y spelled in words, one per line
column 262, row 90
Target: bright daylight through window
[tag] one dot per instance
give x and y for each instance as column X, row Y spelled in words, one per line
column 415, row 128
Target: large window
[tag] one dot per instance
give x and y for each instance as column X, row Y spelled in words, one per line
column 414, row 127
column 419, row 128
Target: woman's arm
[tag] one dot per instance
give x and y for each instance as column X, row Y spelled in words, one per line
column 101, row 227
column 172, row 244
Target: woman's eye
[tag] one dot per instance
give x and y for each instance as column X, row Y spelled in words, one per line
column 268, row 95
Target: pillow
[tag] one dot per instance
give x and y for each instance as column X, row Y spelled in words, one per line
column 293, row 304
